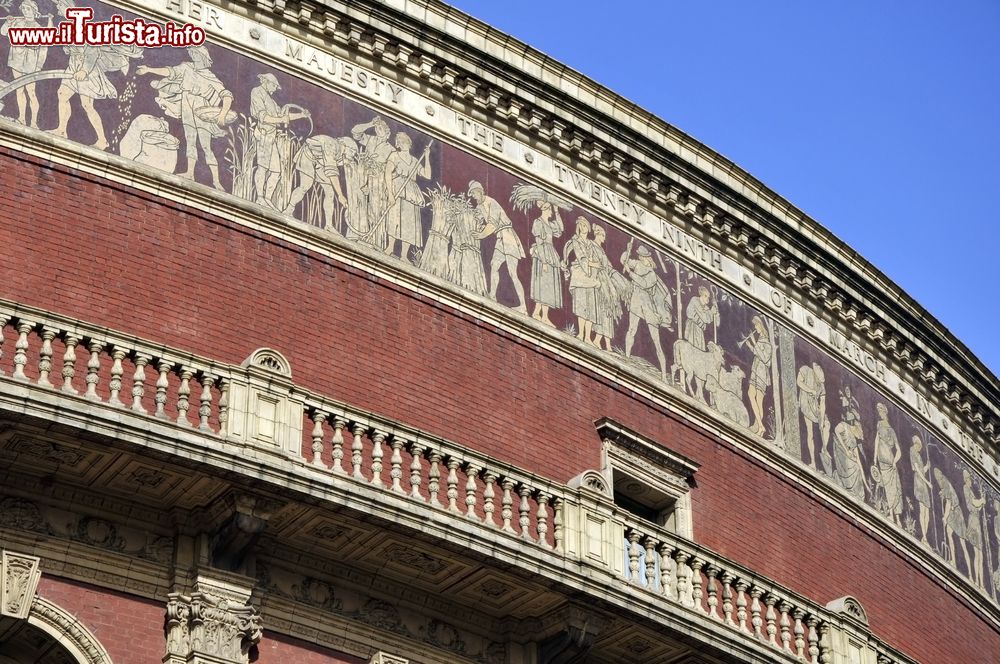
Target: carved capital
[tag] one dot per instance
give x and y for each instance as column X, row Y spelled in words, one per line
column 214, row 623
column 19, row 576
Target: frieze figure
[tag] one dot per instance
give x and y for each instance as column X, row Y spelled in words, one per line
column 546, row 274
column 973, row 529
column 847, row 451
column 88, row 69
column 649, row 301
column 951, row 517
column 612, row 288
column 25, row 60
column 319, row 164
column 580, row 259
column 405, row 199
column 192, row 93
column 270, row 138
column 507, row 251
column 921, row 484
column 701, row 312
column 811, row 381
column 466, row 259
column 759, row 343
column 885, row 469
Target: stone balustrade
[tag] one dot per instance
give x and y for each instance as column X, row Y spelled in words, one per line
column 662, row 567
column 257, row 406
column 473, row 486
column 115, row 369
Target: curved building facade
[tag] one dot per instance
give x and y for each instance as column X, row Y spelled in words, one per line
column 365, row 333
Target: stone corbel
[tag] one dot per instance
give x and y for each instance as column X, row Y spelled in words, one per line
column 572, row 643
column 19, row 576
column 385, row 658
column 214, row 624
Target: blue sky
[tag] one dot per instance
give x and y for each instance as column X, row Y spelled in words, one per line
column 881, row 120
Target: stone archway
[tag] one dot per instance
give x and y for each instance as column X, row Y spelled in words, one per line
column 36, row 629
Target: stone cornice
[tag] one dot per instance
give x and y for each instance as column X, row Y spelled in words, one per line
column 523, row 93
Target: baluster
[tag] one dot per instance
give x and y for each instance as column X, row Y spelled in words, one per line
column 696, row 591
column 378, row 437
column 489, row 493
column 452, row 481
column 163, row 366
column 727, row 597
column 755, row 608
column 524, row 509
column 416, row 453
column 786, row 625
column 772, row 618
column 357, row 447
column 318, row 418
column 44, row 356
column 668, row 571
column 683, row 579
column 223, row 407
column 139, row 382
column 4, row 319
column 813, row 637
column 183, row 394
column 338, row 444
column 21, row 349
column 434, row 478
column 205, row 407
column 713, row 592
column 741, row 605
column 650, row 545
column 471, row 471
column 93, row 369
column 507, row 505
column 634, row 552
column 557, row 524
column 117, row 370
column 542, row 518
column 799, row 631
column 825, row 652
column 69, row 362
column 396, row 464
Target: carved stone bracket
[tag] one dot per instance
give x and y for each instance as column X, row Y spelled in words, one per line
column 19, row 576
column 212, row 625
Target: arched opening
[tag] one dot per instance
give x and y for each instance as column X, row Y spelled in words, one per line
column 23, row 643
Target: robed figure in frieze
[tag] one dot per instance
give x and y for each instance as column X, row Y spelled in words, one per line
column 613, row 288
column 405, row 198
column 973, row 528
column 848, row 461
column 648, row 300
column 546, row 273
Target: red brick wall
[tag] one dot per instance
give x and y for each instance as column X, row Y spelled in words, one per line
column 107, row 255
column 280, row 649
column 130, row 628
